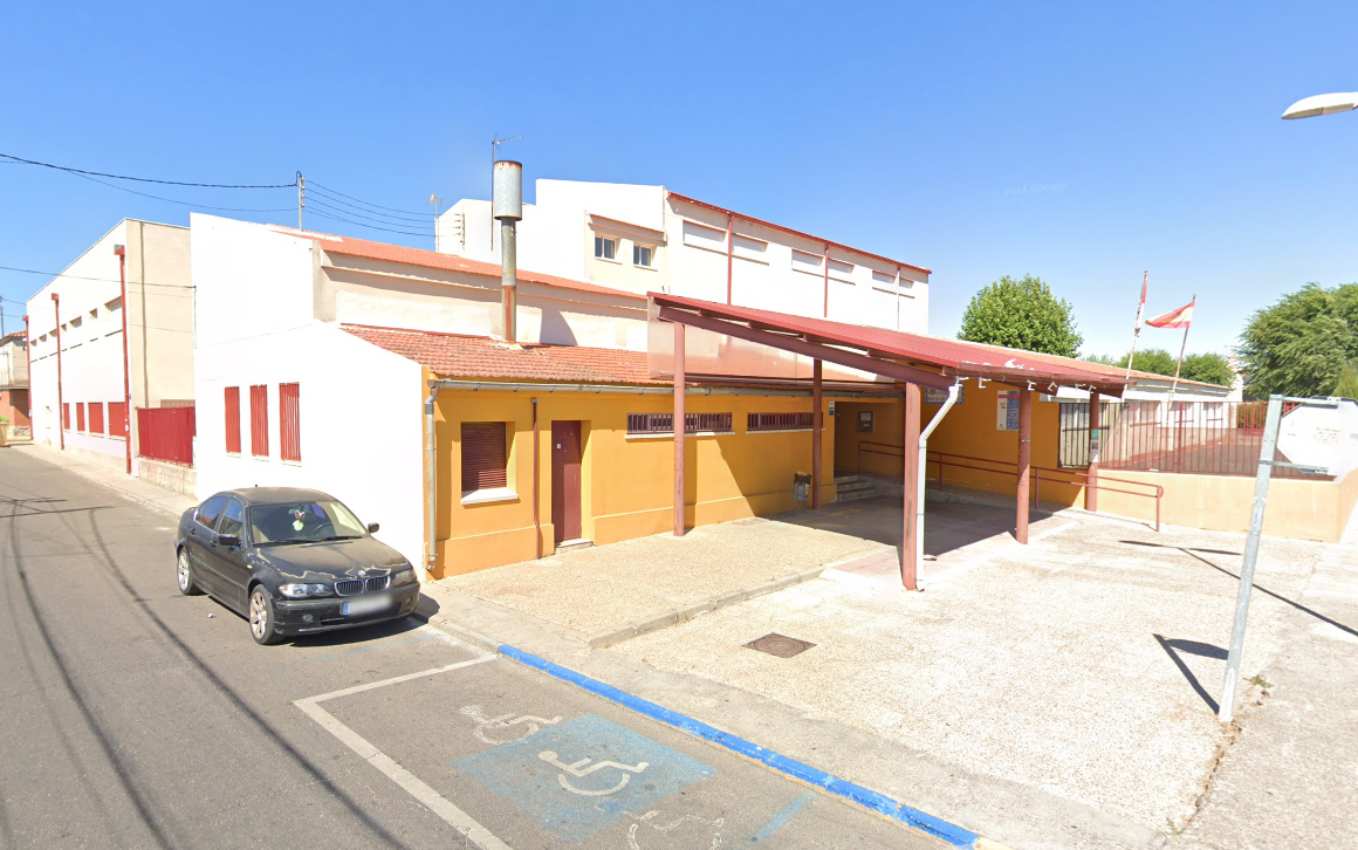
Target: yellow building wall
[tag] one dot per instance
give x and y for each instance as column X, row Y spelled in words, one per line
column 626, row 482
column 961, row 445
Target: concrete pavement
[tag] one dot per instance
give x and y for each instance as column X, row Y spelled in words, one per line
column 148, row 719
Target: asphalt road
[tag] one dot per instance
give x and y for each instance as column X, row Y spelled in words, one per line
column 131, row 717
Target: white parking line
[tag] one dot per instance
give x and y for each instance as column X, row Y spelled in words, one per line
column 464, row 823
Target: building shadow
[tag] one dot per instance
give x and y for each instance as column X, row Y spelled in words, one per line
column 947, row 525
column 1193, row 553
column 1174, row 646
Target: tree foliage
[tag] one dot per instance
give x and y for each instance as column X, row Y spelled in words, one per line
column 1302, row 344
column 1021, row 314
column 1209, row 367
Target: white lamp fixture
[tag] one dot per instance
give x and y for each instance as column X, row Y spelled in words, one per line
column 1322, row 104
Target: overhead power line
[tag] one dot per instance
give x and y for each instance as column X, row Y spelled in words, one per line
column 176, row 201
column 334, row 217
column 364, row 219
column 393, row 218
column 84, row 277
column 367, row 203
column 196, row 184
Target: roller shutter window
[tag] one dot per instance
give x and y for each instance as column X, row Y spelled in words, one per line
column 80, row 416
column 96, row 417
column 259, row 420
column 483, row 456
column 231, row 402
column 289, row 422
column 117, row 419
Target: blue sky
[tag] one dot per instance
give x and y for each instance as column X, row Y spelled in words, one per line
column 1082, row 143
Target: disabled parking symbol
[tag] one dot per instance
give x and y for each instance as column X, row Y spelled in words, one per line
column 581, row 775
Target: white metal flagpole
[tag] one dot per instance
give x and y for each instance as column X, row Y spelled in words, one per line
column 1136, row 330
column 1183, row 346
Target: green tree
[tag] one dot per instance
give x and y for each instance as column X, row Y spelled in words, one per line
column 1157, row 361
column 1301, row 345
column 1348, row 381
column 1021, row 314
column 1211, row 368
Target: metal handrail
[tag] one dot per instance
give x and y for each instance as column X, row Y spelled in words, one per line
column 1010, row 468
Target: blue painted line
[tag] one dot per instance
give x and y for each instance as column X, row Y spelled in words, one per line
column 779, row 820
column 867, row 798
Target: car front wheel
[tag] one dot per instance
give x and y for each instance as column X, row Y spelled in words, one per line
column 263, row 627
column 184, row 575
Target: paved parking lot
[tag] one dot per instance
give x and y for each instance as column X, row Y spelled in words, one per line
column 150, row 719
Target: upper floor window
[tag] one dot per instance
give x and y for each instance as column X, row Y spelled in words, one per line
column 605, row 247
column 643, row 255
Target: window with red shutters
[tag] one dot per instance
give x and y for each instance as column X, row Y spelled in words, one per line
column 96, row 417
column 231, row 402
column 290, row 421
column 483, row 456
column 117, row 419
column 80, row 416
column 259, row 420
column 66, row 415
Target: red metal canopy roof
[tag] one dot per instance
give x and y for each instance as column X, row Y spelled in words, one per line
column 940, row 356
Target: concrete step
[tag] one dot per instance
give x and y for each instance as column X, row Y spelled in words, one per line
column 855, row 495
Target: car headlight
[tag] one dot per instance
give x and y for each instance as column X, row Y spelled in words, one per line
column 301, row 591
column 406, row 576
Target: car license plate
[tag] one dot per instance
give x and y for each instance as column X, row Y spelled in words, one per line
column 366, row 605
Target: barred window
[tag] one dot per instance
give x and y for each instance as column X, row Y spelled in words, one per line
column 663, row 423
column 779, row 421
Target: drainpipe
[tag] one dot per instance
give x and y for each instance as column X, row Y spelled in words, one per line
column 920, row 476
column 121, row 253
column 537, row 518
column 730, row 253
column 61, row 422
column 28, row 374
column 431, row 485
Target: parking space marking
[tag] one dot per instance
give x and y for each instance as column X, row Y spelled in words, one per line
column 860, row 795
column 583, row 775
column 780, row 819
column 464, row 823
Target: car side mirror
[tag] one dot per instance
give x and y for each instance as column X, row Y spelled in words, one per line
column 228, row 540
column 373, row 527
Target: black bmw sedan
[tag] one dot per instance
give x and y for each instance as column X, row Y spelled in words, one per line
column 292, row 561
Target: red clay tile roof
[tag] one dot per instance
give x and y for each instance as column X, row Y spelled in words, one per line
column 384, row 251
column 458, row 356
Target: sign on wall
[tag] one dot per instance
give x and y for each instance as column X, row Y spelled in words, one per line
column 1007, row 410
column 933, row 395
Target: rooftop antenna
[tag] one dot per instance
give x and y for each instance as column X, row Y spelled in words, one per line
column 495, row 142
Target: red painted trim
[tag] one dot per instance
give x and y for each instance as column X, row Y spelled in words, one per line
column 127, row 379
column 817, row 423
column 730, row 253
column 1025, row 465
column 1092, row 481
column 679, row 423
column 825, row 281
column 910, row 416
column 798, row 233
column 56, row 311
column 537, row 513
column 885, row 368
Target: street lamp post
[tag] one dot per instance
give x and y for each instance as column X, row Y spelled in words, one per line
column 1322, row 104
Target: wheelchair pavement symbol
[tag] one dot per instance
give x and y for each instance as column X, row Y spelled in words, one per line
column 583, row 774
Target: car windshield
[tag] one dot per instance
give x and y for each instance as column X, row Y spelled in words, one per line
column 303, row 522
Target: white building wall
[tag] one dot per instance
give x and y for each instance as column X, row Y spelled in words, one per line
column 159, row 325
column 770, row 268
column 91, row 342
column 360, row 422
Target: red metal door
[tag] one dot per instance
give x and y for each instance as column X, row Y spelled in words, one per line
column 565, row 480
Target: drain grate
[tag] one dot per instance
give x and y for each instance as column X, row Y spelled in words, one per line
column 780, row 645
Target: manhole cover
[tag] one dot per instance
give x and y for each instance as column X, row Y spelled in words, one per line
column 780, row 645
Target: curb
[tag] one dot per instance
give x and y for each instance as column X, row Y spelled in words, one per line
column 852, row 792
